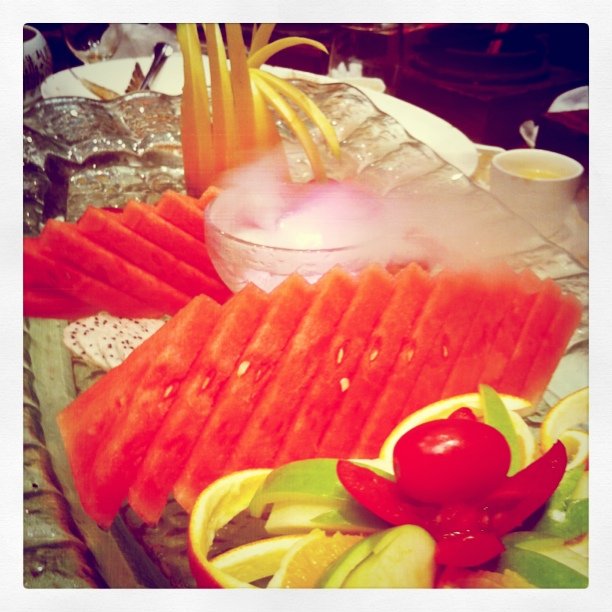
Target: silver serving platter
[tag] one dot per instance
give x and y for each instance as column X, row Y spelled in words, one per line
column 80, row 152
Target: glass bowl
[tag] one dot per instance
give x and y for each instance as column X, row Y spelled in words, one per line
column 240, row 261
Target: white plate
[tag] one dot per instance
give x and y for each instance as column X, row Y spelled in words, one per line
column 447, row 141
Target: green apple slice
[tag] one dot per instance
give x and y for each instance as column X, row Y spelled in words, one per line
column 400, row 557
column 310, row 480
column 497, row 415
column 544, row 561
column 289, row 517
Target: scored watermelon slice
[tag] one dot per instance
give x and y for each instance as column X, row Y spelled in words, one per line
column 125, row 444
column 500, row 351
column 86, row 421
column 465, row 375
column 44, row 273
column 68, row 245
column 448, row 291
column 105, row 228
column 268, row 426
column 552, row 347
column 181, row 211
column 234, row 403
column 174, row 440
column 443, row 354
column 144, row 221
column 53, row 304
column 533, row 333
column 412, row 290
column 337, row 365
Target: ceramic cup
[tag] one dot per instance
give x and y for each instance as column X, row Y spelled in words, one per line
column 538, row 185
column 37, row 64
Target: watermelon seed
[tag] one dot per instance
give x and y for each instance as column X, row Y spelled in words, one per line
column 205, row 383
column 444, row 351
column 345, row 383
column 373, row 354
column 168, row 392
column 340, row 355
column 242, row 368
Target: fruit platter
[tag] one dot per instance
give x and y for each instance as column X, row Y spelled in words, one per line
column 179, row 433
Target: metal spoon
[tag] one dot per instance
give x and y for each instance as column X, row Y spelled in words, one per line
column 161, row 52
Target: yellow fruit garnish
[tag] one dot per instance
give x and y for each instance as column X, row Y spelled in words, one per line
column 305, row 562
column 241, row 126
column 563, row 422
column 256, row 560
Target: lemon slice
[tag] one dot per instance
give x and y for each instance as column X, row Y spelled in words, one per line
column 256, row 560
column 215, row 507
column 568, row 413
column 443, row 408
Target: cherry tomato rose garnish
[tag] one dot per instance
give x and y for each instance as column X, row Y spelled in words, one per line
column 451, row 480
column 450, row 460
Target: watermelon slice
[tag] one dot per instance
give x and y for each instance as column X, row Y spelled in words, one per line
column 269, row 424
column 533, row 333
column 465, row 376
column 181, row 211
column 44, row 273
column 84, row 424
column 442, row 355
column 69, row 245
column 105, row 228
column 337, row 365
column 500, row 352
column 448, row 292
column 552, row 347
column 144, row 221
column 53, row 304
column 412, row 289
column 174, row 440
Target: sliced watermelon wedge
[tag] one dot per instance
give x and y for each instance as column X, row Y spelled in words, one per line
column 105, row 228
column 68, row 245
column 182, row 212
column 42, row 272
column 337, row 365
column 87, row 421
column 261, row 438
column 143, row 219
column 179, row 430
column 412, row 290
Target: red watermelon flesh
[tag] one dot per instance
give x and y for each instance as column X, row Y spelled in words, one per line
column 68, row 245
column 144, row 221
column 449, row 290
column 125, row 444
column 552, row 347
column 500, row 351
column 269, row 424
column 53, row 304
column 235, row 403
column 337, row 365
column 86, row 421
column 445, row 349
column 105, row 228
column 533, row 333
column 43, row 272
column 411, row 293
column 465, row 376
column 181, row 211
column 179, row 430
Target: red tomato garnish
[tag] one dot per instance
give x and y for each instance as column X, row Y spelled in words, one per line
column 450, row 460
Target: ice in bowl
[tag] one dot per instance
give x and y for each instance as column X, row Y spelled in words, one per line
column 261, row 230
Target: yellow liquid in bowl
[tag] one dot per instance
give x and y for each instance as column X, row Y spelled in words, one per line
column 538, row 173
